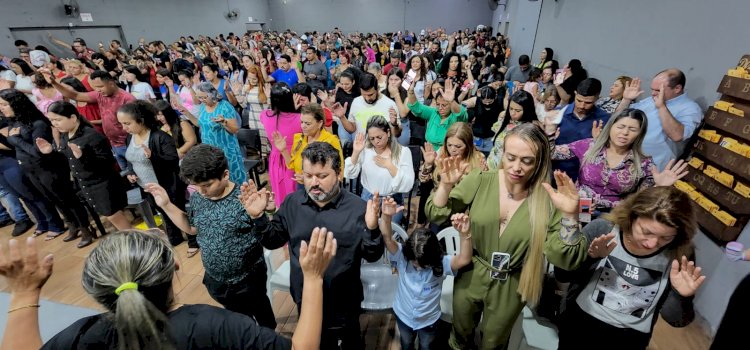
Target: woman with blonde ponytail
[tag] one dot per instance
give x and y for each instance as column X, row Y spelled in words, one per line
column 130, row 273
column 517, row 220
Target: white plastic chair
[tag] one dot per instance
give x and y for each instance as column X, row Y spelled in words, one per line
column 277, row 279
column 452, row 247
column 379, row 283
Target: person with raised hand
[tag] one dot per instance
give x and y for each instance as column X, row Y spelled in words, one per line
column 515, row 226
column 233, row 258
column 439, row 119
column 383, row 165
column 323, row 203
column 613, row 164
column 422, row 266
column 141, row 309
column 637, row 268
column 672, row 116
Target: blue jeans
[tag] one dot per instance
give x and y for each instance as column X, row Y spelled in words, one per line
column 13, row 180
column 483, row 145
column 345, row 136
column 426, row 335
column 119, row 153
column 398, row 197
column 405, row 137
column 14, row 205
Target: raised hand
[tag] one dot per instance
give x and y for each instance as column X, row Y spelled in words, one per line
column 461, row 223
column 255, row 203
column 672, row 172
column 77, row 152
column 373, row 211
column 246, row 189
column 159, row 193
column 323, row 96
column 565, row 198
column 596, row 128
column 451, row 170
column 449, row 91
column 602, row 246
column 279, row 141
column 132, row 178
column 339, row 110
column 428, row 154
column 24, row 272
column 359, row 143
column 632, row 89
column 559, row 79
column 315, row 257
column 659, row 101
column 685, row 277
column 297, row 103
column 390, row 208
column 43, row 145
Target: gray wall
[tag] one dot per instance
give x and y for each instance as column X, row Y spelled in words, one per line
column 378, row 16
column 640, row 38
column 152, row 19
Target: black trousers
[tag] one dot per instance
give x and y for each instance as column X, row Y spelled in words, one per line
column 579, row 330
column 247, row 297
column 55, row 186
column 341, row 332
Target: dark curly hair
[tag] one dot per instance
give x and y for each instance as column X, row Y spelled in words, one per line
column 24, row 110
column 203, row 163
column 142, row 112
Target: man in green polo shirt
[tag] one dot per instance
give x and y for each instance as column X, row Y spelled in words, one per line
column 439, row 119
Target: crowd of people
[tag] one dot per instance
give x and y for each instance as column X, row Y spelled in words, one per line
column 504, row 151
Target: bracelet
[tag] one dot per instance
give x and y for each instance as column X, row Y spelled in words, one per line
column 23, row 307
column 468, row 237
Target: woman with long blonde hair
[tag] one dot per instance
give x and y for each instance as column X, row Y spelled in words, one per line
column 515, row 225
column 458, row 143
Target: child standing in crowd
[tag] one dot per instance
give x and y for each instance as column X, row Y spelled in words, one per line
column 422, row 266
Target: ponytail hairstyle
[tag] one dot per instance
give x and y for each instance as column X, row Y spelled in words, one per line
column 67, row 110
column 138, row 315
column 424, row 248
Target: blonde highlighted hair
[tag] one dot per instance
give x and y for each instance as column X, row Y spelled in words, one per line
column 541, row 211
column 664, row 204
column 463, row 132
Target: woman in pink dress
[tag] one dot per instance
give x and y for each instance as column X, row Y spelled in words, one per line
column 284, row 119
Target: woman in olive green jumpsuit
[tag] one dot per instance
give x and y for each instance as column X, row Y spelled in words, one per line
column 512, row 211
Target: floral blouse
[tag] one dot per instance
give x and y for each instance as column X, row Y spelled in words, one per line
column 608, row 104
column 604, row 185
column 496, row 153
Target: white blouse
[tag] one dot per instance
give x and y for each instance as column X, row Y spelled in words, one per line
column 375, row 178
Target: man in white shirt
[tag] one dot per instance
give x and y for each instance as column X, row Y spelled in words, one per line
column 369, row 104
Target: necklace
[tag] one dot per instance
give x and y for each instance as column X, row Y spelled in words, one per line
column 511, row 195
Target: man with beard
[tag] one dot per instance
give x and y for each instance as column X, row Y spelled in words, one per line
column 370, row 103
column 577, row 120
column 323, row 204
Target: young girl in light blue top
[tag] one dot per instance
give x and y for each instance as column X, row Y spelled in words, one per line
column 422, row 266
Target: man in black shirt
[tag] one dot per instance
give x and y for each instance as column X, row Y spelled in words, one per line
column 323, row 204
column 161, row 56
